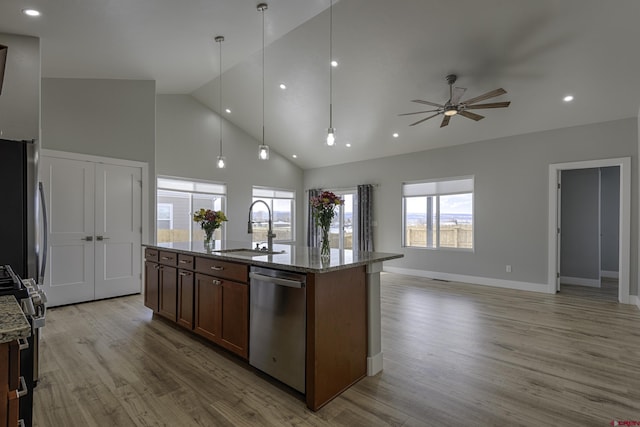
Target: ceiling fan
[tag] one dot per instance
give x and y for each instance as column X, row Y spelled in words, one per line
column 454, row 106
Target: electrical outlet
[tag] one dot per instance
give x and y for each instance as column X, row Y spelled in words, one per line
column 508, row 269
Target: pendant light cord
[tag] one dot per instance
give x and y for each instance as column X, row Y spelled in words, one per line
column 263, row 8
column 220, row 96
column 331, row 64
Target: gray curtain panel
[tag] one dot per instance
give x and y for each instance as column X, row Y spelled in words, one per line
column 365, row 217
column 312, row 231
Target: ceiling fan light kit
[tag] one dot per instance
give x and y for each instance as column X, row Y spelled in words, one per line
column 454, row 106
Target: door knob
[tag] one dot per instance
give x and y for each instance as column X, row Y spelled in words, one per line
column 88, row 238
column 101, row 238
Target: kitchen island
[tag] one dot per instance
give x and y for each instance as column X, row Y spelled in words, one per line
column 207, row 292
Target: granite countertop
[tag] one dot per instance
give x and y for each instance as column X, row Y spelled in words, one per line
column 294, row 258
column 13, row 324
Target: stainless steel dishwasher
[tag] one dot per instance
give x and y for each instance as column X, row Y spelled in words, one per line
column 277, row 330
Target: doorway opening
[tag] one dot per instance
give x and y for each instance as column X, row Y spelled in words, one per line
column 590, row 264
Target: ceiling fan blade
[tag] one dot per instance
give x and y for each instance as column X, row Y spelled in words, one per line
column 420, row 121
column 419, row 101
column 493, row 93
column 490, row 105
column 457, row 94
column 470, row 115
column 417, row 112
column 445, row 121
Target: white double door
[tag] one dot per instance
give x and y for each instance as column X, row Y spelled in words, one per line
column 95, row 229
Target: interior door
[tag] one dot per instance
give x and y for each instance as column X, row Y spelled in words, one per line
column 118, row 230
column 69, row 195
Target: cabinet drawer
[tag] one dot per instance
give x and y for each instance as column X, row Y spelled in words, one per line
column 185, row 261
column 151, row 254
column 168, row 258
column 227, row 270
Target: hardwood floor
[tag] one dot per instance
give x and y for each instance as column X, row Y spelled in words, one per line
column 454, row 354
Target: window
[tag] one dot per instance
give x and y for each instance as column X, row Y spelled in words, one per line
column 438, row 214
column 342, row 225
column 177, row 200
column 281, row 203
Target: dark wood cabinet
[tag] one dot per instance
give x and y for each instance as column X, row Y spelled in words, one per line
column 151, row 285
column 161, row 282
column 168, row 292
column 222, row 305
column 9, row 383
column 186, row 298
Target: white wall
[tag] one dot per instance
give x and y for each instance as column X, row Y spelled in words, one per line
column 20, row 98
column 187, row 145
column 109, row 118
column 511, row 185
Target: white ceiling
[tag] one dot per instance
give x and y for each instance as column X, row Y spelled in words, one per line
column 390, row 52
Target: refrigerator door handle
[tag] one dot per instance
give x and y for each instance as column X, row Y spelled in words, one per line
column 45, row 240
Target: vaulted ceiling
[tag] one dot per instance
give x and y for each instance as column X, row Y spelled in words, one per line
column 389, row 53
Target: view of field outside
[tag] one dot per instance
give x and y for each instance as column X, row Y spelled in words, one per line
column 454, row 222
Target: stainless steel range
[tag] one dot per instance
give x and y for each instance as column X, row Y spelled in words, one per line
column 32, row 300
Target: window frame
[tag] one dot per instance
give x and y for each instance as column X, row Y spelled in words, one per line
column 292, row 200
column 222, row 195
column 435, row 194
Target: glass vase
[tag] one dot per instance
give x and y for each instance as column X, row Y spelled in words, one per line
column 325, row 250
column 209, row 242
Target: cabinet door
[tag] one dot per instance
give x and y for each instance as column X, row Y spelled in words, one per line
column 168, row 304
column 208, row 306
column 185, row 298
column 151, row 283
column 234, row 330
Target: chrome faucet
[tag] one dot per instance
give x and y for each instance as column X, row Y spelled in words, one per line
column 270, row 233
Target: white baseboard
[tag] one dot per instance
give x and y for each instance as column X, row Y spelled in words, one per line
column 609, row 274
column 374, row 364
column 634, row 299
column 581, row 281
column 485, row 281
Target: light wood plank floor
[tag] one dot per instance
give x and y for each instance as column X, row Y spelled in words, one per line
column 454, row 354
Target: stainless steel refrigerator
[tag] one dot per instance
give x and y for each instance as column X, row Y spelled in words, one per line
column 20, row 209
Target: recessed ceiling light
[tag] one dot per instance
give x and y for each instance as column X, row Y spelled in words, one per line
column 395, row 135
column 31, row 12
column 283, row 86
column 295, row 156
column 228, row 110
column 348, row 145
column 334, row 63
column 568, row 98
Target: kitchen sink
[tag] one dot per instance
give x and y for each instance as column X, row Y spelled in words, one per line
column 247, row 252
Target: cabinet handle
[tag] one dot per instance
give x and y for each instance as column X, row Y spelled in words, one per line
column 184, row 262
column 216, row 282
column 22, row 390
column 185, row 273
column 166, row 258
column 217, row 268
column 23, row 344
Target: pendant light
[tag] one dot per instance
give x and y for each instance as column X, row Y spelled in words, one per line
column 222, row 161
column 263, row 149
column 331, row 132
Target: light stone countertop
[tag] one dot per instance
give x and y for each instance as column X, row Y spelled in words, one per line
column 13, row 323
column 294, row 258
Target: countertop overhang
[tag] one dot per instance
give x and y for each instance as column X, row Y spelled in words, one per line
column 293, row 258
column 13, row 323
